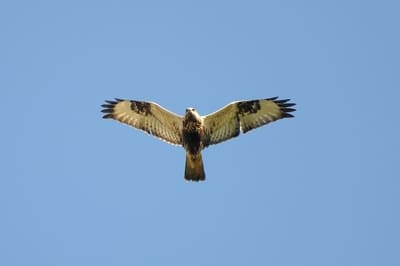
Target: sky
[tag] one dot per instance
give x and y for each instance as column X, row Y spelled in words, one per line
column 318, row 189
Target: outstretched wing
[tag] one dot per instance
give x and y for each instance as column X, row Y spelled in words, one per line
column 243, row 116
column 147, row 116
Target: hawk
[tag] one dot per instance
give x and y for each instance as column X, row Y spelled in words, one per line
column 194, row 132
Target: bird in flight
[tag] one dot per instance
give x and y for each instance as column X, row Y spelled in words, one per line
column 194, row 132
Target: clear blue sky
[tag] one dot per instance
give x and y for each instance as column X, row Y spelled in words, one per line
column 319, row 189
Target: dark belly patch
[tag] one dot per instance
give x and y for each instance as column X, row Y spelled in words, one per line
column 191, row 141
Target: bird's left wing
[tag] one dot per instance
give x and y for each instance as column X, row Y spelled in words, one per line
column 147, row 116
column 243, row 116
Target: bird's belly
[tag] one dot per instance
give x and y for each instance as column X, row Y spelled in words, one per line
column 192, row 141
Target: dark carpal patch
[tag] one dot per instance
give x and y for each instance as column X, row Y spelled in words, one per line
column 249, row 107
column 141, row 107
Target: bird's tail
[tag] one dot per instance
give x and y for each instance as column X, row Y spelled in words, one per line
column 194, row 169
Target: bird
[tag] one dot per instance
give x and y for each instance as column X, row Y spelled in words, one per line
column 194, row 132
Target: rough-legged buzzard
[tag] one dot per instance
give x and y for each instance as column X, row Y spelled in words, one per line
column 195, row 132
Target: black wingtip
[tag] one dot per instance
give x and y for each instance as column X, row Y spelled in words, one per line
column 272, row 98
column 285, row 106
column 108, row 116
column 287, row 115
column 288, row 110
column 108, row 108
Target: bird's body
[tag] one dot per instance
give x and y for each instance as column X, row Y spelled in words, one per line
column 193, row 142
column 194, row 132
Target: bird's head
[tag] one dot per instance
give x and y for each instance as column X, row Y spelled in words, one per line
column 192, row 114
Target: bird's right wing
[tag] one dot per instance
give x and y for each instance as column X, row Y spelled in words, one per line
column 147, row 116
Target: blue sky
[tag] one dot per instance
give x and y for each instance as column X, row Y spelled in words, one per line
column 319, row 189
